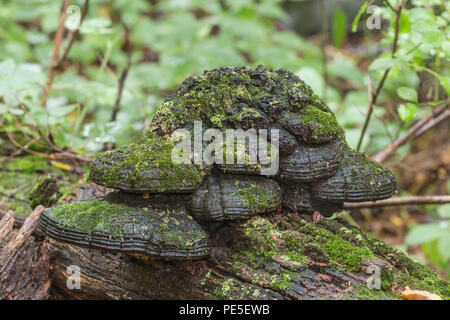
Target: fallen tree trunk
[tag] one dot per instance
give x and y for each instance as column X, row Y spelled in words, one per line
column 24, row 259
column 279, row 256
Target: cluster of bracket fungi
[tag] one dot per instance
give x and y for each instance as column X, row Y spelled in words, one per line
column 160, row 206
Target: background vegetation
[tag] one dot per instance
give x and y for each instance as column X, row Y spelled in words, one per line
column 68, row 92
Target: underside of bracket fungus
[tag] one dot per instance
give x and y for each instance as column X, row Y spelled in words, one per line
column 317, row 169
column 227, row 197
column 357, row 179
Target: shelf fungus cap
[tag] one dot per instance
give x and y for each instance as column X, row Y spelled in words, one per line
column 358, row 179
column 146, row 167
column 228, row 197
column 311, row 124
column 297, row 198
column 120, row 222
column 310, row 162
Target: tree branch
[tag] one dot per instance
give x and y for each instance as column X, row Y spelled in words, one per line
column 384, row 154
column 123, row 76
column 433, row 123
column 401, row 201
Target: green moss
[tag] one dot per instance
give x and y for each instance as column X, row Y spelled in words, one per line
column 256, row 198
column 323, row 125
column 85, row 216
column 347, row 248
column 18, row 178
column 227, row 95
column 168, row 228
column 345, row 253
column 45, row 192
column 224, row 289
column 282, row 281
column 261, row 234
column 364, row 293
column 145, row 165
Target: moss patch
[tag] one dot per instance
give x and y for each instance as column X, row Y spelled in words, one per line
column 322, row 124
column 45, row 192
column 347, row 248
column 145, row 166
column 256, row 198
column 85, row 216
column 345, row 253
column 227, row 96
column 18, row 178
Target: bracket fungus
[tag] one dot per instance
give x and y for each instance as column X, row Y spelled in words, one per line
column 317, row 170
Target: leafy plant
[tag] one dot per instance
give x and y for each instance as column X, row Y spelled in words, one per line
column 434, row 238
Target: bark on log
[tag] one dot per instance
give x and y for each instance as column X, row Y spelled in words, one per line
column 24, row 260
column 278, row 256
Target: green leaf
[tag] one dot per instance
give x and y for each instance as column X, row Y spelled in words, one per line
column 3, row 108
column 407, row 94
column 405, row 24
column 408, row 112
column 339, row 27
column 423, row 233
column 359, row 14
column 446, row 48
column 7, row 68
column 444, row 247
column 16, row 111
column 313, row 78
column 382, row 64
column 444, row 211
column 445, row 82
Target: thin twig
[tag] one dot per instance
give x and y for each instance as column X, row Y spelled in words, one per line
column 61, row 154
column 433, row 123
column 402, row 201
column 390, row 5
column 376, row 94
column 58, row 40
column 74, row 34
column 384, row 154
column 123, row 76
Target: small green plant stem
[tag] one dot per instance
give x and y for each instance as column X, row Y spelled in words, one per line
column 375, row 95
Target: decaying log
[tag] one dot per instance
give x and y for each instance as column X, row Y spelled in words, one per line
column 226, row 274
column 277, row 256
column 24, row 260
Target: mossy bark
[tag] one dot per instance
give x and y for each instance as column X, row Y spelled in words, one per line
column 278, row 256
